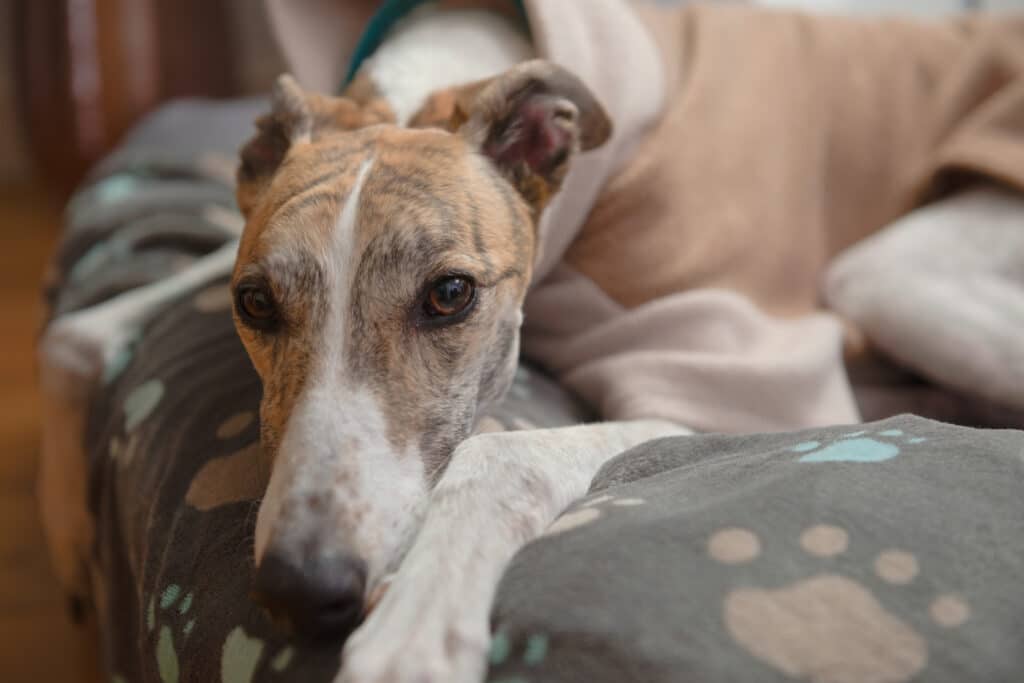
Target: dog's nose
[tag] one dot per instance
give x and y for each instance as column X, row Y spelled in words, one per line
column 320, row 598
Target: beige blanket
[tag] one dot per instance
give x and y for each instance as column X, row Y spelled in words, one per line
column 680, row 270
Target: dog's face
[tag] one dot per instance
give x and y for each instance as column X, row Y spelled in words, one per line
column 378, row 290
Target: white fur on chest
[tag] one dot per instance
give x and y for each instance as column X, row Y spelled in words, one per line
column 431, row 50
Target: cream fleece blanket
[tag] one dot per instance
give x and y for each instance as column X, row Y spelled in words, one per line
column 681, row 265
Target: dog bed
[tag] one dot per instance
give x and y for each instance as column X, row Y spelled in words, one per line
column 890, row 551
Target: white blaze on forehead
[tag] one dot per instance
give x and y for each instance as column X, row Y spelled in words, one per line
column 335, row 449
column 340, row 269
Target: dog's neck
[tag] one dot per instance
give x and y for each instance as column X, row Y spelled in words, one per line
column 432, row 49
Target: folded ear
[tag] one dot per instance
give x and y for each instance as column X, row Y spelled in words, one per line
column 529, row 122
column 289, row 122
column 296, row 118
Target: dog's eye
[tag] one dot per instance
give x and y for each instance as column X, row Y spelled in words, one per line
column 255, row 306
column 449, row 296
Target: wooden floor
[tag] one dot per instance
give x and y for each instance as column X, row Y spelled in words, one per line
column 37, row 641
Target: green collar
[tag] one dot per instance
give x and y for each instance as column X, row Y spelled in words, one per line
column 383, row 20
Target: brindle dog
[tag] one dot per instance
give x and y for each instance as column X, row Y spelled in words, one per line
column 378, row 288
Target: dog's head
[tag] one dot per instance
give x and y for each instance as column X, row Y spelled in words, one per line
column 378, row 292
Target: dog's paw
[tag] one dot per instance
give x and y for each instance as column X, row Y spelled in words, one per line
column 418, row 633
column 411, row 665
column 82, row 349
column 419, row 654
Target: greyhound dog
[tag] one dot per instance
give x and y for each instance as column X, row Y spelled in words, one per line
column 382, row 320
column 378, row 289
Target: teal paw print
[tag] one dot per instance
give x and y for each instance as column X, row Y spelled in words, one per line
column 860, row 446
column 534, row 650
column 169, row 611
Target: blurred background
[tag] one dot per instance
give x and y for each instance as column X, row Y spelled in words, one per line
column 74, row 75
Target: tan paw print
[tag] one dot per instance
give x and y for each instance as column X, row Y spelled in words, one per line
column 591, row 510
column 829, row 628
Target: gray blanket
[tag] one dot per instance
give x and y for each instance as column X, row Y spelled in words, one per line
column 889, row 551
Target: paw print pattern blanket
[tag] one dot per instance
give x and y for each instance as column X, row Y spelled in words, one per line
column 886, row 551
column 889, row 551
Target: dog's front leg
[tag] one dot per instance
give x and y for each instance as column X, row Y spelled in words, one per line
column 500, row 491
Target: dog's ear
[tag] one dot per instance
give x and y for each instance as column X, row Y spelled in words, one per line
column 296, row 118
column 289, row 122
column 529, row 122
